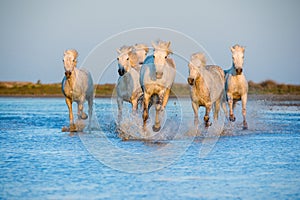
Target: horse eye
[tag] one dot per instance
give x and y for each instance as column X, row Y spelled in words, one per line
column 117, row 58
column 128, row 58
column 165, row 57
column 153, row 56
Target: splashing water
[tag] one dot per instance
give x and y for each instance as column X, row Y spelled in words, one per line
column 131, row 128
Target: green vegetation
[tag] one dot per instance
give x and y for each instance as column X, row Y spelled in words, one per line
column 271, row 87
column 108, row 90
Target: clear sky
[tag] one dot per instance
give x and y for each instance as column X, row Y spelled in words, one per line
column 35, row 33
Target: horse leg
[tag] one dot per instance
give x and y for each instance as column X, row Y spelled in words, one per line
column 80, row 113
column 145, row 113
column 217, row 109
column 134, row 105
column 90, row 104
column 223, row 104
column 195, row 107
column 230, row 104
column 244, row 102
column 120, row 107
column 71, row 118
column 166, row 98
column 206, row 117
column 156, row 127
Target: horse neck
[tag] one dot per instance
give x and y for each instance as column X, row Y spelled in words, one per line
column 199, row 81
column 137, row 68
column 72, row 78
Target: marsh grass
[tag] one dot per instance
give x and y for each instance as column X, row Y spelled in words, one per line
column 107, row 90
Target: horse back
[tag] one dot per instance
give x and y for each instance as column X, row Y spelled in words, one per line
column 217, row 70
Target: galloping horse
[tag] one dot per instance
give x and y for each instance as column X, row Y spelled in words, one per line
column 207, row 87
column 77, row 85
column 141, row 51
column 156, row 78
column 236, row 84
column 128, row 86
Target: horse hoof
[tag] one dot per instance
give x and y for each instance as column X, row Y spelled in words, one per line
column 73, row 128
column 65, row 129
column 208, row 124
column 245, row 126
column 84, row 116
column 155, row 129
column 232, row 119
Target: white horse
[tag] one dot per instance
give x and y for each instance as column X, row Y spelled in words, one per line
column 141, row 51
column 207, row 87
column 156, row 78
column 236, row 84
column 77, row 85
column 128, row 86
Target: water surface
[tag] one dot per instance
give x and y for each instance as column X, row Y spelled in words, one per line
column 38, row 161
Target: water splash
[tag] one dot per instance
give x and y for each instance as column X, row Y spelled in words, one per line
column 131, row 128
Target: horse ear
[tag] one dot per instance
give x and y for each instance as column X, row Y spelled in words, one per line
column 243, row 49
column 118, row 50
column 232, row 49
column 146, row 49
column 168, row 45
column 153, row 44
column 75, row 54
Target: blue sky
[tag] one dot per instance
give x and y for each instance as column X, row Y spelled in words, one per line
column 34, row 34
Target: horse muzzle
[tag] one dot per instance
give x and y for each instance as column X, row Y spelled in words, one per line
column 68, row 74
column 238, row 71
column 121, row 71
column 191, row 81
column 159, row 75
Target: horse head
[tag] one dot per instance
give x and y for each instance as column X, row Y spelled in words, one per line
column 161, row 52
column 70, row 61
column 141, row 51
column 197, row 61
column 127, row 58
column 238, row 58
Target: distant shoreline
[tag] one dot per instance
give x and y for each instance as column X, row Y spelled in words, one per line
column 266, row 90
column 266, row 97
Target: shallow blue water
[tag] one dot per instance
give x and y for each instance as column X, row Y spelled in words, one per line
column 38, row 161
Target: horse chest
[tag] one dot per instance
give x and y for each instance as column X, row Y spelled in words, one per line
column 72, row 93
column 200, row 96
column 237, row 86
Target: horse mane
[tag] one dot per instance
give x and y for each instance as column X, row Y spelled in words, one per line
column 124, row 49
column 237, row 47
column 200, row 56
column 171, row 62
column 141, row 46
column 72, row 52
column 162, row 45
column 134, row 61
